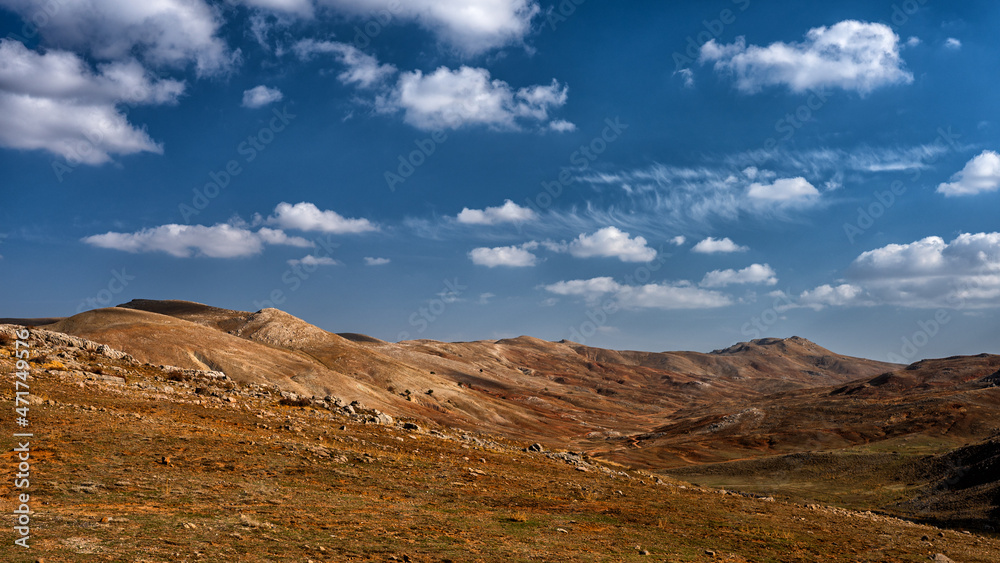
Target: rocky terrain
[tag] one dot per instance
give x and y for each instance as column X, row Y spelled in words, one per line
column 176, row 431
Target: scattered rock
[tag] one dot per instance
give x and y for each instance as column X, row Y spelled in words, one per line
column 942, row 558
column 562, row 530
column 410, row 426
column 535, row 447
column 710, row 553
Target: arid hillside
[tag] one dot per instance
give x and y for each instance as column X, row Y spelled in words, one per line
column 554, row 392
column 142, row 463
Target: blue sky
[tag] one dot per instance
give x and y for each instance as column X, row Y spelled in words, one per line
column 647, row 175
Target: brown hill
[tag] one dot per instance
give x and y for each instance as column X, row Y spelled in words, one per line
column 560, row 392
column 138, row 463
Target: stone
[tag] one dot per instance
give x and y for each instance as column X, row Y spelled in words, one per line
column 535, row 447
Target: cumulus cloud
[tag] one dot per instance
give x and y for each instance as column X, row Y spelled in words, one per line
column 56, row 102
column 509, row 256
column 981, row 174
column 562, row 126
column 927, row 273
column 611, row 242
column 678, row 240
column 712, row 246
column 833, row 296
column 217, row 241
column 792, row 192
column 363, row 69
column 850, row 55
column 953, row 44
column 933, row 273
column 172, row 33
column 509, row 212
column 260, row 96
column 305, row 216
column 752, row 274
column 451, row 99
column 680, row 295
column 372, row 261
column 470, row 26
column 311, row 260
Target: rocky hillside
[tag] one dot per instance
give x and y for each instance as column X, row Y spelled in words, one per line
column 142, row 462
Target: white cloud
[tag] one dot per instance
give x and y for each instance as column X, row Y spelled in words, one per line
column 305, row 216
column 584, row 288
column 260, row 96
column 55, row 102
column 362, row 69
column 451, row 99
column 611, row 242
column 509, row 212
column 471, row 26
column 687, row 76
column 371, row 261
column 752, row 274
column 678, row 240
column 953, row 44
column 562, row 126
column 712, row 245
column 850, row 55
column 667, row 296
column 171, row 33
column 680, row 295
column 833, row 296
column 217, row 241
column 793, row 192
column 509, row 256
column 689, row 198
column 311, row 260
column 932, row 273
column 484, row 298
column 928, row 273
column 981, row 174
column 913, row 41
